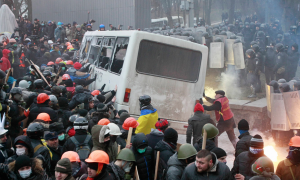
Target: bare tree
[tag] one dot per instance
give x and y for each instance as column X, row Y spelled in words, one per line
column 167, row 7
column 231, row 11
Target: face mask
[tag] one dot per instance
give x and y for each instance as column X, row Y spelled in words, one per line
column 255, row 151
column 127, row 166
column 18, row 97
column 15, row 45
column 141, row 151
column 113, row 139
column 25, row 174
column 20, row 151
column 63, row 68
column 61, row 137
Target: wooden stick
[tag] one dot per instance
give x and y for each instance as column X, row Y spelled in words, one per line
column 57, row 75
column 204, row 139
column 7, row 75
column 136, row 174
column 119, row 148
column 156, row 165
column 41, row 74
column 129, row 136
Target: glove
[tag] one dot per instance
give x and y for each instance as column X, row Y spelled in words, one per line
column 26, row 112
column 201, row 101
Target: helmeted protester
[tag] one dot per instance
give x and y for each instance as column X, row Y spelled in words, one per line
column 243, row 162
column 79, row 169
column 157, row 134
column 58, row 127
column 196, row 124
column 97, row 166
column 123, row 117
column 24, row 86
column 100, row 113
column 264, row 169
column 63, row 169
column 289, row 167
column 206, row 165
column 178, row 162
column 148, row 116
column 123, row 165
column 128, row 123
column 244, row 143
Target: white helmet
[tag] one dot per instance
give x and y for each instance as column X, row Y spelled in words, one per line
column 114, row 129
column 53, row 99
column 24, row 84
column 50, row 42
column 31, row 69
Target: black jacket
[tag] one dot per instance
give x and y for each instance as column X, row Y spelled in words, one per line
column 175, row 168
column 78, row 99
column 31, row 55
column 270, row 57
column 154, row 137
column 63, row 114
column 42, row 108
column 210, row 145
column 243, row 162
column 15, row 129
column 104, row 174
column 54, row 55
column 243, row 144
column 116, row 172
column 50, row 31
column 43, row 151
column 95, row 118
column 144, row 161
column 80, row 136
column 195, row 126
column 121, row 139
column 281, row 60
column 56, row 155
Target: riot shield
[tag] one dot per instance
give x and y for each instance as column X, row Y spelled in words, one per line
column 269, row 90
column 197, row 36
column 203, row 40
column 180, row 37
column 202, row 28
column 216, row 55
column 222, row 37
column 238, row 54
column 229, row 57
column 229, row 34
column 292, row 105
column 240, row 38
column 279, row 118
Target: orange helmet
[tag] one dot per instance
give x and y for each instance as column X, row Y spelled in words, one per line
column 24, row 132
column 95, row 92
column 50, row 63
column 130, row 122
column 98, row 156
column 103, row 122
column 69, row 62
column 42, row 98
column 295, row 141
column 44, row 116
column 58, row 60
column 69, row 47
column 71, row 155
column 68, row 43
column 65, row 77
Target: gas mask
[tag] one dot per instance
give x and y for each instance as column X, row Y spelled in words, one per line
column 126, row 166
column 18, row 97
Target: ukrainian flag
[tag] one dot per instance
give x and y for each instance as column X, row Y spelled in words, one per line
column 147, row 121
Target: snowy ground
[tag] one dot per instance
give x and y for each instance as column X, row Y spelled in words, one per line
column 225, row 144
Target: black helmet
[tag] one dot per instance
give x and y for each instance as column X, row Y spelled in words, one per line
column 73, row 118
column 16, row 90
column 246, row 23
column 63, row 89
column 297, row 85
column 274, row 84
column 223, row 33
column 2, row 74
column 286, row 35
column 79, row 89
column 260, row 34
column 218, row 40
column 251, row 53
column 145, row 100
column 191, row 38
column 279, row 36
column 284, row 87
column 255, row 48
column 27, row 78
column 81, row 123
column 35, row 131
column 233, row 36
column 38, row 83
column 206, row 35
column 252, row 43
column 279, row 47
column 237, row 41
column 46, row 73
column 296, row 47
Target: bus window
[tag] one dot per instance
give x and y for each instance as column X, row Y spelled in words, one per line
column 85, row 47
column 119, row 54
column 106, row 52
column 95, row 50
column 168, row 61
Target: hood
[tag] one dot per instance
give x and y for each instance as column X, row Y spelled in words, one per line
column 27, row 141
column 174, row 161
column 156, row 132
column 198, row 107
column 5, row 53
column 102, row 133
column 215, row 161
column 95, row 136
column 163, row 146
column 37, row 167
column 140, row 139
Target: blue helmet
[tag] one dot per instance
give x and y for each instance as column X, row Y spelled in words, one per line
column 49, row 22
column 88, row 25
column 59, row 23
column 101, row 26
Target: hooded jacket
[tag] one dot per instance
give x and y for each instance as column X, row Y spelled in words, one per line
column 154, row 137
column 175, row 168
column 284, row 169
column 121, row 140
column 219, row 171
column 80, row 135
column 14, row 129
column 243, row 144
column 98, row 142
column 5, row 64
column 143, row 160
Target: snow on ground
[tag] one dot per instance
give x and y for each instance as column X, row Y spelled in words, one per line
column 225, row 144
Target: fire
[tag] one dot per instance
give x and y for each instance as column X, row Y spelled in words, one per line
column 271, row 153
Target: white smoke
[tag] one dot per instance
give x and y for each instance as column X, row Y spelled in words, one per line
column 229, row 83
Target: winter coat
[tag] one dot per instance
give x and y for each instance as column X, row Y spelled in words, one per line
column 95, row 118
column 243, row 144
column 56, row 155
column 210, row 144
column 98, row 142
column 116, row 171
column 3, row 153
column 82, row 173
column 43, row 151
column 176, row 168
column 219, row 171
column 80, row 135
column 25, row 94
column 284, row 168
column 104, row 174
column 154, row 137
column 5, row 64
column 243, row 162
column 293, row 59
column 69, row 33
column 63, row 114
column 55, row 55
column 270, row 57
column 281, row 60
column 9, row 172
column 195, row 126
column 147, row 121
column 143, row 161
column 42, row 108
column 78, row 99
column 43, row 60
column 40, row 54
column 78, row 34
column 166, row 151
column 121, row 140
column 50, row 31
column 261, row 177
column 15, row 129
column 31, row 55
column 59, row 33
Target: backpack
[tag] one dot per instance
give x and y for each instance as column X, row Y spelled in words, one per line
column 162, row 168
column 83, row 149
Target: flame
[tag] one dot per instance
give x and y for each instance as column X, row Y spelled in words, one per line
column 271, row 153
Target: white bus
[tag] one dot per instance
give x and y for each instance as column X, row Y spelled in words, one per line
column 164, row 21
column 170, row 70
